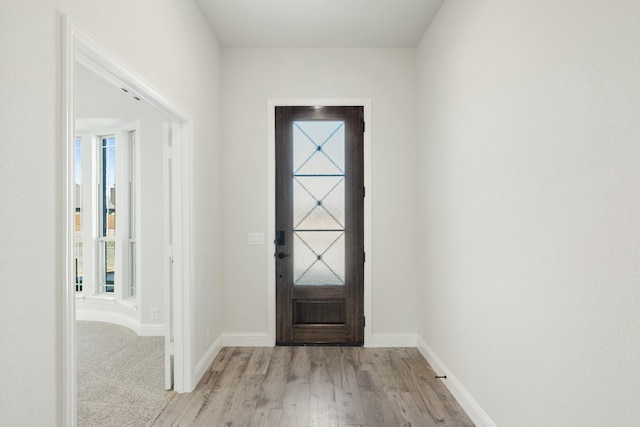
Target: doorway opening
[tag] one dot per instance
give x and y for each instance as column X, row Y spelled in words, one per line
column 116, row 279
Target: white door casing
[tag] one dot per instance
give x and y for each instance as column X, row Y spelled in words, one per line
column 271, row 200
column 78, row 46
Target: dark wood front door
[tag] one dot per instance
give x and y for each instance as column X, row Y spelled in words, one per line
column 319, row 252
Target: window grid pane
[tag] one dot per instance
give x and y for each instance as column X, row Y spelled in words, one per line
column 107, row 265
column 77, row 186
column 77, row 251
column 108, row 178
column 132, row 270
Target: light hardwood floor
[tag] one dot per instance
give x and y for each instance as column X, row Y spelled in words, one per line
column 317, row 386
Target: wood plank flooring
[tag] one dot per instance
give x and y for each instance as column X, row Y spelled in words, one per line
column 317, row 386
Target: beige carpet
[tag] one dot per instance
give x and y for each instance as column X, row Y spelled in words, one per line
column 120, row 376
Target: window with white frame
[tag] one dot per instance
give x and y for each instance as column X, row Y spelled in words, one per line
column 105, row 215
column 77, row 201
column 132, row 215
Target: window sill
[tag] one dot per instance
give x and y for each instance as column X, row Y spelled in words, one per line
column 129, row 303
column 106, row 299
column 97, row 298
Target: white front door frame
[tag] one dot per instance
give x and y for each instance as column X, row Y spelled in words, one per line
column 78, row 45
column 271, row 202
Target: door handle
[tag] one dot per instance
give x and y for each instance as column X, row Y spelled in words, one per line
column 282, row 255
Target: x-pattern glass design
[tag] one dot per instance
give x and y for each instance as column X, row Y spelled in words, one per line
column 319, row 205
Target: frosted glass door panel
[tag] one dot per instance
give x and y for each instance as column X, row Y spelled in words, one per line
column 319, row 258
column 319, row 203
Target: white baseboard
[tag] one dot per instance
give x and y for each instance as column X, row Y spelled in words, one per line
column 141, row 329
column 247, row 339
column 262, row 339
column 206, row 360
column 392, row 340
column 152, row 330
column 468, row 403
column 109, row 317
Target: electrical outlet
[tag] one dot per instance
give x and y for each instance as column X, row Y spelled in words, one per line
column 155, row 314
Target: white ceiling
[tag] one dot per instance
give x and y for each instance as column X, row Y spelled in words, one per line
column 319, row 23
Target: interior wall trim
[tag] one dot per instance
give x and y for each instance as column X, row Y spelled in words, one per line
column 393, row 340
column 119, row 319
column 249, row 339
column 462, row 395
column 262, row 339
column 207, row 358
column 78, row 45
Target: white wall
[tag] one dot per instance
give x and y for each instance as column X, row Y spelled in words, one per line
column 98, row 101
column 388, row 78
column 530, row 130
column 169, row 44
